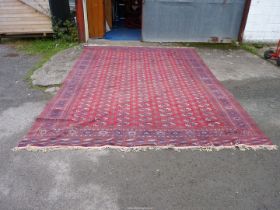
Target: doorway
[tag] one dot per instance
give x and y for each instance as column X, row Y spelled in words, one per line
column 115, row 19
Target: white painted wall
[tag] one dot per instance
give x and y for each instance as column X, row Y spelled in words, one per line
column 263, row 22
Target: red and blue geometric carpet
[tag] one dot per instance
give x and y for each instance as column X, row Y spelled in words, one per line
column 142, row 97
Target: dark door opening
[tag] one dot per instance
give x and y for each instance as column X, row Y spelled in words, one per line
column 126, row 20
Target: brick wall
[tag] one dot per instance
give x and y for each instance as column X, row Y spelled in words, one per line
column 263, row 22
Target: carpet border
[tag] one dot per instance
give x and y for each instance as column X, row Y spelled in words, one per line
column 241, row 147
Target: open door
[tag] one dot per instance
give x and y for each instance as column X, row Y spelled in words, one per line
column 108, row 13
column 120, row 18
column 96, row 18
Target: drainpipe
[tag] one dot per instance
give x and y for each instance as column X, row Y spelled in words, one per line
column 244, row 20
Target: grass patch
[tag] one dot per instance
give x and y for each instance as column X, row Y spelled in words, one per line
column 45, row 48
column 43, row 88
column 252, row 48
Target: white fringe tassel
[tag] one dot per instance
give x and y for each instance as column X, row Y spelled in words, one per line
column 241, row 147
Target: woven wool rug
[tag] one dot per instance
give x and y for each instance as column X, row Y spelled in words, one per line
column 139, row 98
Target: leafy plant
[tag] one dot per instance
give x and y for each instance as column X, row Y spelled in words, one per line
column 66, row 31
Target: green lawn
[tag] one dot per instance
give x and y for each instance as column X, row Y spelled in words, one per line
column 44, row 48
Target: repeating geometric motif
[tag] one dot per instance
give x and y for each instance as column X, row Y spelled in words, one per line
column 137, row 96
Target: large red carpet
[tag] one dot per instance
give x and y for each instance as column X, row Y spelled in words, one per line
column 137, row 97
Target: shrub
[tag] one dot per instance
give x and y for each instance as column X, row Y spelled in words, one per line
column 66, row 31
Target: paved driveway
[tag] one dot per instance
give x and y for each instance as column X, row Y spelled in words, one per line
column 158, row 180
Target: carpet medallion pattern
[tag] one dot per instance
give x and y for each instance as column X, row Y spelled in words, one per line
column 135, row 97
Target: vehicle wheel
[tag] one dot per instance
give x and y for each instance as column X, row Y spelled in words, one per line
column 278, row 62
column 268, row 54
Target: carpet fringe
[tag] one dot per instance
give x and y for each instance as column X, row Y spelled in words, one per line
column 241, row 147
